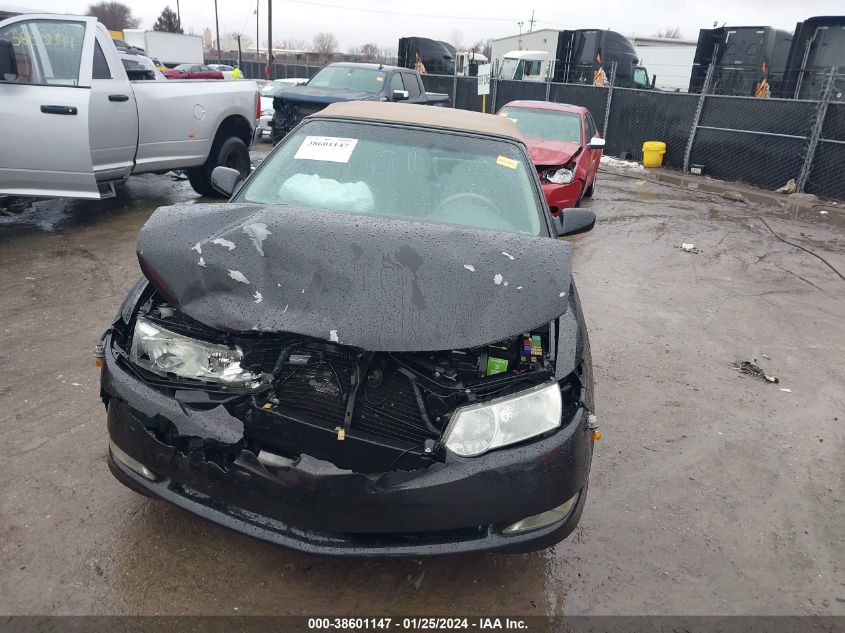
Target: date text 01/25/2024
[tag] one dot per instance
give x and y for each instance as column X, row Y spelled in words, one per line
column 415, row 624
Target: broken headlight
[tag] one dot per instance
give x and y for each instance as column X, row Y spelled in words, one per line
column 478, row 428
column 168, row 354
column 562, row 176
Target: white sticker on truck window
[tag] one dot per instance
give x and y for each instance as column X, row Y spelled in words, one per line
column 328, row 148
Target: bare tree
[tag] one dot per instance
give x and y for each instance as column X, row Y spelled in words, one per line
column 388, row 55
column 671, row 34
column 293, row 44
column 370, row 52
column 456, row 39
column 485, row 47
column 325, row 44
column 116, row 16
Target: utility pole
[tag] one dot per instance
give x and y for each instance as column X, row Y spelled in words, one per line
column 270, row 39
column 257, row 53
column 520, row 35
column 239, row 51
column 178, row 14
column 217, row 28
column 531, row 23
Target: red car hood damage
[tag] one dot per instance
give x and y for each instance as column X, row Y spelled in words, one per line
column 551, row 153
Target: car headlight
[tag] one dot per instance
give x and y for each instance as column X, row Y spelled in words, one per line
column 478, row 428
column 169, row 354
column 562, row 176
column 128, row 305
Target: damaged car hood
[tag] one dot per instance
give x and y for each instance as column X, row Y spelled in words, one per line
column 552, row 153
column 376, row 283
column 323, row 96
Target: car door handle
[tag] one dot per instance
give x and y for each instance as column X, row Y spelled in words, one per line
column 118, row 98
column 59, row 109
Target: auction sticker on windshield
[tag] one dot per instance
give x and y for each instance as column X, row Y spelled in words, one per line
column 328, row 148
column 504, row 161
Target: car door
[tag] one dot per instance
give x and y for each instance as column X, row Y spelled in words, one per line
column 412, row 85
column 44, row 108
column 396, row 83
column 113, row 115
column 594, row 154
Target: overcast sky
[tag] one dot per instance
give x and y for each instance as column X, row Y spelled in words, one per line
column 355, row 22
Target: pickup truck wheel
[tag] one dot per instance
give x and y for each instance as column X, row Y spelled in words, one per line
column 228, row 152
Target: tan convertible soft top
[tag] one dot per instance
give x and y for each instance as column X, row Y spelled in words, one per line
column 430, row 116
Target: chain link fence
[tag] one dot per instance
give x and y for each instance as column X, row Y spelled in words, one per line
column 253, row 69
column 767, row 142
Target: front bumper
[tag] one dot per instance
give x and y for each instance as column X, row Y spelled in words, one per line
column 461, row 505
column 560, row 197
column 265, row 130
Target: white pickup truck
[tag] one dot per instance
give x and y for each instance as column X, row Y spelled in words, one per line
column 72, row 124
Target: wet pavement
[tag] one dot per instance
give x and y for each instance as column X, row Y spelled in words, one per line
column 712, row 492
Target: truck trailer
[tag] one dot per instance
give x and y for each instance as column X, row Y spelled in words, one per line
column 438, row 58
column 749, row 60
column 170, row 48
column 817, row 46
column 580, row 56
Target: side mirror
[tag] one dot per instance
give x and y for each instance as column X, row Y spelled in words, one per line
column 225, row 179
column 596, row 143
column 573, row 222
column 400, row 95
column 8, row 63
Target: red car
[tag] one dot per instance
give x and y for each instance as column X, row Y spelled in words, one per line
column 192, row 71
column 565, row 146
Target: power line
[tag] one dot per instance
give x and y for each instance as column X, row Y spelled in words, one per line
column 248, row 17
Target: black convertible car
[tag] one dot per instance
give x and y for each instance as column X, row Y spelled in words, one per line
column 375, row 348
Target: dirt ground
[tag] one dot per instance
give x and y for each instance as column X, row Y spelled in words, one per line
column 712, row 492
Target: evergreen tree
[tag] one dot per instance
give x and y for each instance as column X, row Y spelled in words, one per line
column 168, row 22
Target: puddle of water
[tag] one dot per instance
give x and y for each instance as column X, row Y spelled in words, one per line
column 645, row 195
column 43, row 215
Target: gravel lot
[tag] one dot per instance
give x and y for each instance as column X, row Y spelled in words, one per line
column 712, row 492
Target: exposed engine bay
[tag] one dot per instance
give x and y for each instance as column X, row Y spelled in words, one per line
column 360, row 410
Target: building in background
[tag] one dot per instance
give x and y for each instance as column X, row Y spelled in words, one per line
column 670, row 60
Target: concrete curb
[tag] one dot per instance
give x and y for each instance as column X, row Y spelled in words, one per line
column 788, row 202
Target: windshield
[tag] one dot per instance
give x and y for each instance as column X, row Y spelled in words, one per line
column 546, row 124
column 183, row 67
column 349, row 78
column 401, row 172
column 509, row 68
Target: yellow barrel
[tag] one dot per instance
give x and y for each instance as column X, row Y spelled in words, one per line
column 653, row 153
